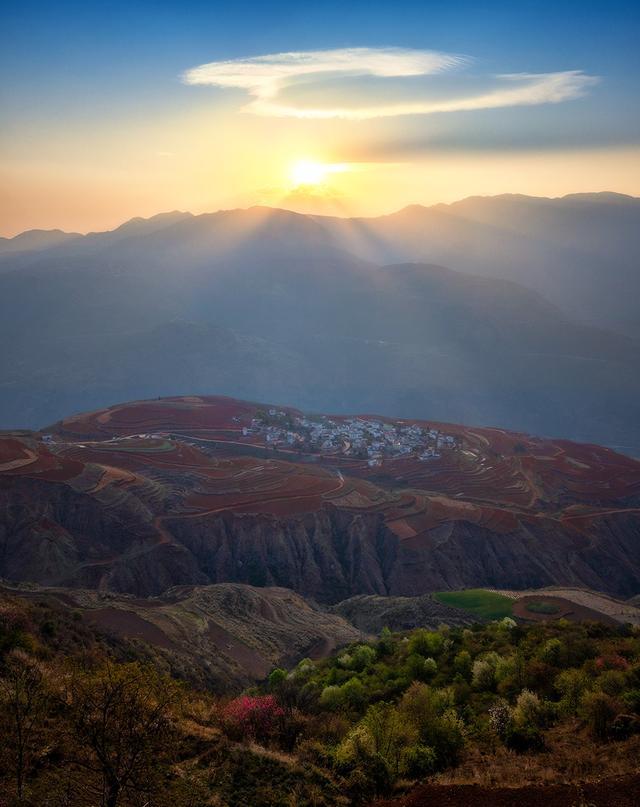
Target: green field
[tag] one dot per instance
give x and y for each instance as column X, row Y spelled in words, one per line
column 483, row 603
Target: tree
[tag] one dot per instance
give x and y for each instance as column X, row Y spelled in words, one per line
column 598, row 710
column 484, row 671
column 383, row 734
column 462, row 664
column 571, row 684
column 276, row 678
column 255, row 717
column 121, row 719
column 24, row 700
column 425, row 642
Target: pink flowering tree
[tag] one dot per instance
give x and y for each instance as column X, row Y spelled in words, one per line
column 252, row 717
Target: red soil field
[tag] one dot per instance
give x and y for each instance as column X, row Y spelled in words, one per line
column 493, row 478
column 566, row 610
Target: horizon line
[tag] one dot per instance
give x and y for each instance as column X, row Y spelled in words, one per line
column 80, row 234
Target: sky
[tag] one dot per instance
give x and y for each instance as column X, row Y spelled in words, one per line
column 110, row 111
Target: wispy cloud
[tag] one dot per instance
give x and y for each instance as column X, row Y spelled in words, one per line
column 266, row 78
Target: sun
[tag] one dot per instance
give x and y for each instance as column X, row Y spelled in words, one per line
column 311, row 173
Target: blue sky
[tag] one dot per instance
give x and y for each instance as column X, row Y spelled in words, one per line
column 107, row 53
column 68, row 67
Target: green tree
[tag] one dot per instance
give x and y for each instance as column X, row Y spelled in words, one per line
column 571, row 684
column 425, row 642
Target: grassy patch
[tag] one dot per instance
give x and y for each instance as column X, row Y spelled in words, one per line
column 483, row 603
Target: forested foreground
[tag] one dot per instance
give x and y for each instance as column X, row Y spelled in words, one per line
column 88, row 721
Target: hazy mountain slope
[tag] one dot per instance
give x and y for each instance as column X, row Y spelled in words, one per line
column 582, row 251
column 34, row 240
column 269, row 304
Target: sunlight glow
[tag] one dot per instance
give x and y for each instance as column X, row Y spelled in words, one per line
column 308, row 172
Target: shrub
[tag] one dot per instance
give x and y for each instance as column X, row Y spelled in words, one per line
column 385, row 643
column 332, row 698
column 524, row 738
column 613, row 682
column 277, row 678
column 598, row 710
column 420, row 761
column 425, row 643
column 362, row 657
column 612, row 662
column 254, row 717
column 552, row 652
column 528, row 711
column 623, row 726
column 483, row 675
column 354, row 693
column 631, row 700
column 462, row 664
column 381, row 734
column 430, row 667
column 446, row 736
column 571, row 684
column 500, row 718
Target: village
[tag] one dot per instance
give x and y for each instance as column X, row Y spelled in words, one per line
column 356, row 437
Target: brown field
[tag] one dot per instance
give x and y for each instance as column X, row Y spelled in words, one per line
column 566, row 610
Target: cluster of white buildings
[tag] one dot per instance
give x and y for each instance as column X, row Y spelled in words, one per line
column 360, row 438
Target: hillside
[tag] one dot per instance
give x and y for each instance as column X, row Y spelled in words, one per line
column 220, row 638
column 545, row 714
column 181, row 491
column 271, row 305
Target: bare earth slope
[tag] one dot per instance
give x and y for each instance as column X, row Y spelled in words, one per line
column 225, row 636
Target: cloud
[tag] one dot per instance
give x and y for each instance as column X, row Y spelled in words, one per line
column 266, row 79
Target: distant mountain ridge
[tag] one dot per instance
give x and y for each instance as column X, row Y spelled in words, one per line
column 337, row 314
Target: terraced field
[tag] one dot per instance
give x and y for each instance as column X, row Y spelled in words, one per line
column 181, row 479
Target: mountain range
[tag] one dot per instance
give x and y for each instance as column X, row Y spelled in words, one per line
column 509, row 311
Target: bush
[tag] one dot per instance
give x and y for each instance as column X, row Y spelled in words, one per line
column 252, row 717
column 612, row 682
column 462, row 664
column 420, row 761
column 332, row 698
column 501, row 719
column 631, row 700
column 425, row 643
column 571, row 684
column 362, row 657
column 598, row 710
column 528, row 711
column 354, row 693
column 277, row 678
column 430, row 667
column 483, row 672
column 524, row 738
column 552, row 652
